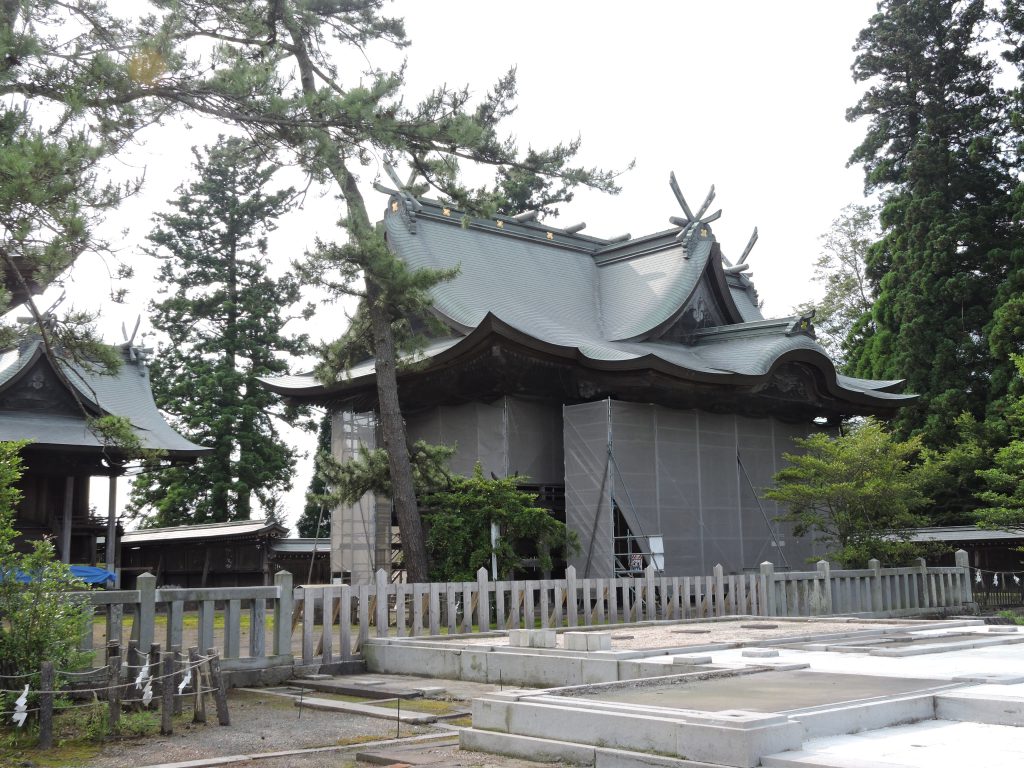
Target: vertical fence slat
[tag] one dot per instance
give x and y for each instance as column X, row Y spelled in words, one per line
column 400, row 610
column 308, row 616
column 232, row 628
column 327, row 630
column 499, row 604
column 257, row 628
column 345, row 621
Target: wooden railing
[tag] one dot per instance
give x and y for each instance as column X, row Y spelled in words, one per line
column 324, row 624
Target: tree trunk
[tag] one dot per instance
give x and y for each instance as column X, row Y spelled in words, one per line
column 361, row 232
column 403, row 494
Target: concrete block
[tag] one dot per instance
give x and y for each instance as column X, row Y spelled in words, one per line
column 1002, row 630
column 690, row 661
column 759, row 653
column 519, row 638
column 588, row 641
column 543, row 638
column 575, row 641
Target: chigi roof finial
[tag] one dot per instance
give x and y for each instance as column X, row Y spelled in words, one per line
column 691, row 223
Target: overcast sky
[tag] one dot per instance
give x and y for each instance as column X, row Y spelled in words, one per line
column 747, row 95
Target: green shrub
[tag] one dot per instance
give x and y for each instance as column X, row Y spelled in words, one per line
column 39, row 620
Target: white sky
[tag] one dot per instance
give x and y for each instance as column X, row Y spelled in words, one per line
column 747, row 95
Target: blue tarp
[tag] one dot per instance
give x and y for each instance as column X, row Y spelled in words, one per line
column 90, row 574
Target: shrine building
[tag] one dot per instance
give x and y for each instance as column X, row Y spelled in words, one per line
column 634, row 381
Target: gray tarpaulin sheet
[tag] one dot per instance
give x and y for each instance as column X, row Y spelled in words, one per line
column 508, row 436
column 675, row 474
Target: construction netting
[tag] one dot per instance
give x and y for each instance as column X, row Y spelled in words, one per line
column 641, row 479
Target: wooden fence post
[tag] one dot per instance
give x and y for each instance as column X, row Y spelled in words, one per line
column 46, row 681
column 768, row 578
column 176, row 680
column 199, row 708
column 826, row 586
column 220, row 689
column 167, row 694
column 283, row 613
column 114, row 687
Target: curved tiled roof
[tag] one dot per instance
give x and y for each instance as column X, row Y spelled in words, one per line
column 604, row 303
column 126, row 393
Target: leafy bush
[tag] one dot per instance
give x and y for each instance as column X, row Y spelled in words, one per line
column 39, row 620
column 859, row 494
column 460, row 517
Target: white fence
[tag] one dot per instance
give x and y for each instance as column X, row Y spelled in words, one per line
column 328, row 623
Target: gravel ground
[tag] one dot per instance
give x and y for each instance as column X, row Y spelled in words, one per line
column 259, row 723
column 262, row 723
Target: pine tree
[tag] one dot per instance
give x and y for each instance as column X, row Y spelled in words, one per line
column 224, row 318
column 932, row 152
column 66, row 70
column 272, row 72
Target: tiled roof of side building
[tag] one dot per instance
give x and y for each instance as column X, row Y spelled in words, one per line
column 126, row 393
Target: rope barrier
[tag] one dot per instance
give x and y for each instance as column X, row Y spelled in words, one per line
column 128, row 681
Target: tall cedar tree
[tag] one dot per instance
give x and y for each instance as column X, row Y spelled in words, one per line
column 224, row 319
column 932, row 152
column 283, row 73
column 1006, row 333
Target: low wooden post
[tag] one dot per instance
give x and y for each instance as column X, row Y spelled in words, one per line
column 46, row 705
column 220, row 690
column 199, row 708
column 114, row 687
column 176, row 680
column 155, row 671
column 167, row 694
